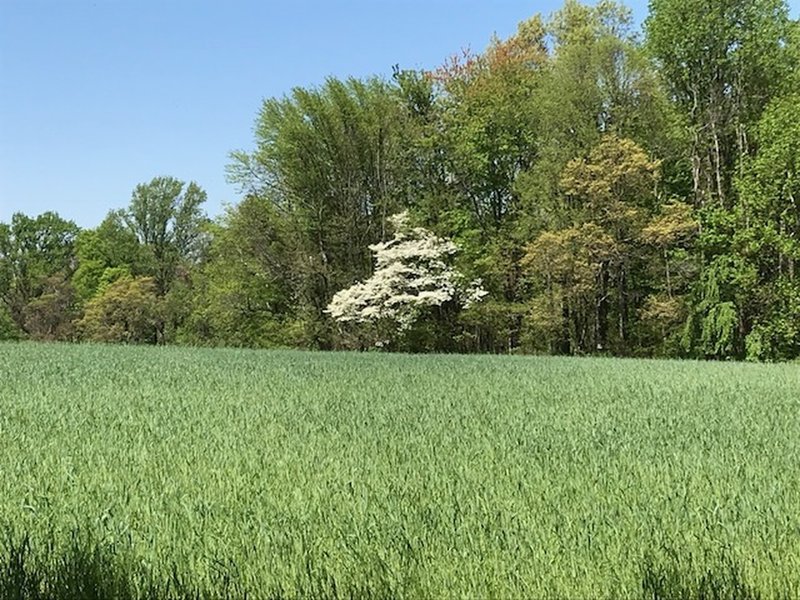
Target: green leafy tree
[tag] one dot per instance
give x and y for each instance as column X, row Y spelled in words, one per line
column 673, row 267
column 489, row 134
column 768, row 232
column 615, row 188
column 8, row 328
column 105, row 254
column 33, row 251
column 597, row 82
column 167, row 218
column 722, row 62
column 246, row 291
column 49, row 316
column 329, row 159
column 128, row 310
column 590, row 274
column 569, row 265
column 488, row 130
column 718, row 321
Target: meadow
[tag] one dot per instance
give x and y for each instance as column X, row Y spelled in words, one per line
column 178, row 472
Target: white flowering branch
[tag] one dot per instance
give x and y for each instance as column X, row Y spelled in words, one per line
column 411, row 274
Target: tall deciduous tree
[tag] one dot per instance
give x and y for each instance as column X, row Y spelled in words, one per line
column 105, row 254
column 588, row 275
column 167, row 218
column 329, row 159
column 768, row 232
column 723, row 60
column 597, row 82
column 246, row 292
column 488, row 130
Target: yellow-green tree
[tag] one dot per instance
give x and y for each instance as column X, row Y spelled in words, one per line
column 589, row 275
column 129, row 310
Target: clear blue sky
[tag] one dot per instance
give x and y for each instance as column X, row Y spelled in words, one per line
column 97, row 96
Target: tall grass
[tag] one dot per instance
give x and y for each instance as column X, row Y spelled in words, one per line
column 292, row 474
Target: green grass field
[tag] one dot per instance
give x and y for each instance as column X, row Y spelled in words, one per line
column 174, row 471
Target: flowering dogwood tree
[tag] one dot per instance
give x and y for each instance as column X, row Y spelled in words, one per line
column 411, row 275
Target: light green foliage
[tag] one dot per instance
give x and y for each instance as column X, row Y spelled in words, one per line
column 582, row 273
column 722, row 63
column 167, row 218
column 671, row 233
column 105, row 254
column 596, row 82
column 295, row 474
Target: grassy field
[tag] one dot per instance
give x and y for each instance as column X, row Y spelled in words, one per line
column 169, row 471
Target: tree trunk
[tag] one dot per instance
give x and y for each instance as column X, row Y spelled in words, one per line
column 666, row 266
column 602, row 309
column 622, row 290
column 566, row 333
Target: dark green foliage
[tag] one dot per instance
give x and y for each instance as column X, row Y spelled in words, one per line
column 83, row 571
column 8, row 328
column 36, row 259
column 88, row 571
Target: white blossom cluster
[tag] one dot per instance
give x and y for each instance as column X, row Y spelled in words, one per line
column 411, row 273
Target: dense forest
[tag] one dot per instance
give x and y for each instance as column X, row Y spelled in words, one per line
column 577, row 188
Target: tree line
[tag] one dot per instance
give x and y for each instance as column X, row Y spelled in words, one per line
column 612, row 193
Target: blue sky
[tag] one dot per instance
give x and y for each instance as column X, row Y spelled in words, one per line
column 97, row 96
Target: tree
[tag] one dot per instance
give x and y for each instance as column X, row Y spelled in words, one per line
column 411, row 277
column 48, row 317
column 597, row 82
column 127, row 311
column 245, row 293
column 166, row 217
column 569, row 265
column 671, row 233
column 486, row 124
column 33, row 251
column 591, row 274
column 329, row 160
column 768, row 232
column 105, row 254
column 722, row 61
column 8, row 328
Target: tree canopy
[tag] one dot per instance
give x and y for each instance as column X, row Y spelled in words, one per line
column 614, row 191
